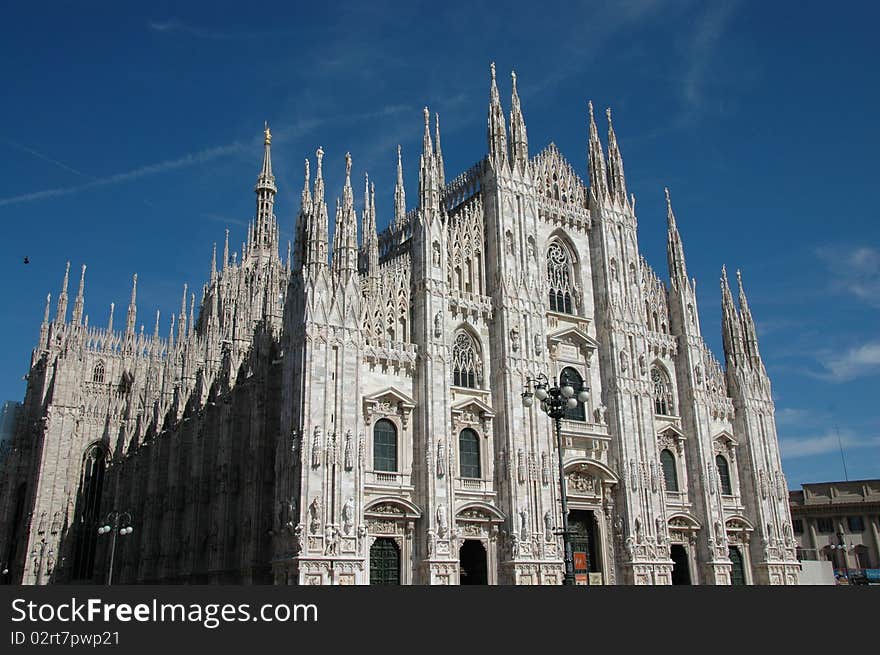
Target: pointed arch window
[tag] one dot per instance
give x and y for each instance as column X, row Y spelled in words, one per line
column 385, row 446
column 670, row 474
column 724, row 475
column 559, row 276
column 570, row 376
column 466, row 367
column 663, row 404
column 98, row 373
column 88, row 512
column 469, row 454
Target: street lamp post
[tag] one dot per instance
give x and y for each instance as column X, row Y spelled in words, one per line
column 554, row 401
column 117, row 523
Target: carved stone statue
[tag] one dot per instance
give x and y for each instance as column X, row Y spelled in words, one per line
column 525, row 529
column 442, row 523
column 548, row 525
column 348, row 456
column 599, row 413
column 431, row 543
column 331, row 540
column 438, row 324
column 514, row 339
column 348, row 516
column 315, row 516
column 539, row 344
column 441, row 459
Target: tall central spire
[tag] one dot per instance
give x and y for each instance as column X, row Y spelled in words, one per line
column 265, row 232
column 399, row 194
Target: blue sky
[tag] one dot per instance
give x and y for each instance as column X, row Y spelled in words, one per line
column 130, row 138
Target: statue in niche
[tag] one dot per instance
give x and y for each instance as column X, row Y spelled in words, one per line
column 525, row 528
column 531, row 247
column 539, row 344
column 600, row 413
column 348, row 459
column 438, row 324
column 431, row 543
column 624, row 362
column 514, row 339
column 315, row 516
column 642, row 367
column 436, row 253
column 514, row 546
column 548, row 525
column 508, row 239
column 316, row 448
column 56, row 523
column 331, row 540
column 441, row 459
column 442, row 524
column 348, row 515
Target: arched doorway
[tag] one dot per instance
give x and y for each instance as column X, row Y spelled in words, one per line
column 384, row 562
column 738, row 573
column 584, row 544
column 681, row 573
column 472, row 562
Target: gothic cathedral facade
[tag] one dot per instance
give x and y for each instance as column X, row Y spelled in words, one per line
column 353, row 414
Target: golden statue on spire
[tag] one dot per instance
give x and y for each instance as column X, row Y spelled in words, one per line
column 267, row 133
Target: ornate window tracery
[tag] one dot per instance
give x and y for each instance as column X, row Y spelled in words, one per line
column 663, row 400
column 98, row 373
column 469, row 454
column 466, row 367
column 559, row 275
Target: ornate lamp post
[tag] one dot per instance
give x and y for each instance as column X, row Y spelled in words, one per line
column 119, row 523
column 554, row 401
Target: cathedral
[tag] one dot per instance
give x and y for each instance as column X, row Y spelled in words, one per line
column 353, row 413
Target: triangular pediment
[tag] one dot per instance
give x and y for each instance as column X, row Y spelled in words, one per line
column 476, row 406
column 673, row 429
column 725, row 437
column 391, row 394
column 575, row 336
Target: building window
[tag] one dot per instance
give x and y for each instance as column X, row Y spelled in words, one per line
column 465, row 361
column 469, row 454
column 724, row 475
column 855, row 523
column 559, row 276
column 98, row 373
column 571, row 377
column 662, row 392
column 385, row 446
column 670, row 476
column 798, row 526
column 825, row 525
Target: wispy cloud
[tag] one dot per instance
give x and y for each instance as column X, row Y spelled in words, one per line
column 46, row 158
column 854, row 270
column 191, row 159
column 173, row 25
column 824, row 443
column 856, row 362
column 709, row 30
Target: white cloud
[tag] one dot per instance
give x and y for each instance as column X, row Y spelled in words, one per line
column 794, row 447
column 854, row 270
column 710, row 28
column 856, row 362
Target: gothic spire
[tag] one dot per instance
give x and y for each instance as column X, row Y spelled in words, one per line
column 78, row 303
column 264, row 232
column 616, row 179
column 318, row 235
column 441, row 174
column 674, row 247
column 519, row 142
column 192, row 307
column 596, row 159
column 429, row 192
column 61, row 313
column 750, row 332
column 110, row 320
column 181, row 317
column 214, row 262
column 399, row 194
column 132, row 307
column 371, row 238
column 46, row 311
column 497, row 130
column 306, row 194
column 345, row 234
column 731, row 331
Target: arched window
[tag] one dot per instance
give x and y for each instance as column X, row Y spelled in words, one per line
column 466, row 367
column 571, row 377
column 88, row 512
column 469, row 454
column 723, row 475
column 662, row 392
column 670, row 475
column 384, row 446
column 98, row 373
column 559, row 276
column 384, row 562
